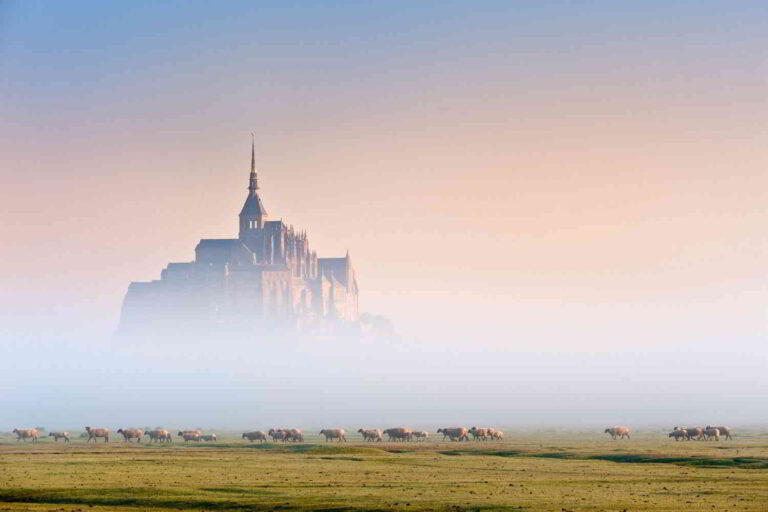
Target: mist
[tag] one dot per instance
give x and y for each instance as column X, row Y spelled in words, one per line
column 561, row 209
column 356, row 382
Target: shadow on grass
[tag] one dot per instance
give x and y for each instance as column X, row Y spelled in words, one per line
column 158, row 499
column 710, row 462
column 626, row 458
column 237, row 490
column 314, row 449
column 495, row 453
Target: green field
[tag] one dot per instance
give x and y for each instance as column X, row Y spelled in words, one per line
column 530, row 471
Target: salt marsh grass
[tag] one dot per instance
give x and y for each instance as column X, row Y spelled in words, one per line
column 533, row 471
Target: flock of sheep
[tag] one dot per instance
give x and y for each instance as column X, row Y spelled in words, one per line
column 707, row 433
column 373, row 435
column 280, row 434
column 339, row 434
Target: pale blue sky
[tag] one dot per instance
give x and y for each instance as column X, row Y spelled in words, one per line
column 510, row 177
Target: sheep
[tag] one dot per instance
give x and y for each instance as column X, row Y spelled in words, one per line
column 421, row 435
column 159, row 435
column 679, row 434
column 131, row 433
column 479, row 434
column 256, row 435
column 371, row 434
column 496, row 435
column 294, row 434
column 618, row 432
column 454, row 433
column 694, row 432
column 277, row 435
column 26, row 433
column 95, row 433
column 712, row 433
column 334, row 433
column 210, row 437
column 57, row 435
column 398, row 434
column 724, row 431
column 191, row 435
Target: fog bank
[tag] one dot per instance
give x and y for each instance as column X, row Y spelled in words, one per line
column 281, row 381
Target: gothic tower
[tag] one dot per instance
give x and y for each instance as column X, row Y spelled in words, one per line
column 253, row 215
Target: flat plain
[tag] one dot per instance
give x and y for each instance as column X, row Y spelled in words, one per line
column 531, row 471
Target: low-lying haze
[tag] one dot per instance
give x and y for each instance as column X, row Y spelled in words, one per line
column 561, row 207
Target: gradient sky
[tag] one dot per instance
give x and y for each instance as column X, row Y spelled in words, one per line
column 525, row 175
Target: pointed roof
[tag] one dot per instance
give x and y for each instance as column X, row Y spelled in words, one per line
column 253, row 183
column 253, row 205
column 337, row 268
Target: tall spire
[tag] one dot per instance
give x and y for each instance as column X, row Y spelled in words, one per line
column 253, row 183
column 253, row 215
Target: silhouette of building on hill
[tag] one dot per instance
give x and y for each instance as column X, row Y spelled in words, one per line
column 265, row 278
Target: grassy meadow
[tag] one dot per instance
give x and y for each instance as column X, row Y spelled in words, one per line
column 544, row 471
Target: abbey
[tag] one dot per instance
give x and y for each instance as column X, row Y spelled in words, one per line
column 266, row 277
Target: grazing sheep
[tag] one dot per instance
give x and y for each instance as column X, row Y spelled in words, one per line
column 294, row 434
column 695, row 432
column 618, row 432
column 95, row 433
column 496, row 435
column 131, row 433
column 399, row 434
column 679, row 434
column 712, row 433
column 57, row 435
column 159, row 435
column 210, row 437
column 454, row 433
column 724, row 431
column 256, row 435
column 26, row 433
column 334, row 433
column 421, row 435
column 191, row 435
column 277, row 435
column 479, row 434
column 371, row 434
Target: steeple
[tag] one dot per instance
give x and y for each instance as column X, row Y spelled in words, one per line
column 253, row 214
column 253, row 184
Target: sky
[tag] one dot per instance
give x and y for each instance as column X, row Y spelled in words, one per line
column 541, row 195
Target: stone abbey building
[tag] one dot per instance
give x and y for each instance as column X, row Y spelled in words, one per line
column 267, row 277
